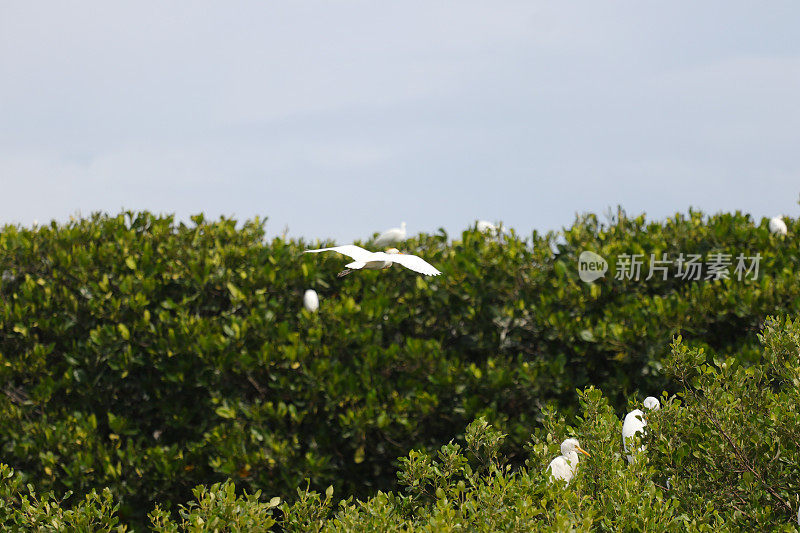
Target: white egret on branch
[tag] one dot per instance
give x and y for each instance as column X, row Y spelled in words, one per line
column 364, row 259
column 311, row 300
column 635, row 422
column 778, row 226
column 564, row 466
column 484, row 226
column 391, row 236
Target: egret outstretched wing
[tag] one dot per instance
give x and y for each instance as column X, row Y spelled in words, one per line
column 378, row 260
column 415, row 263
column 350, row 250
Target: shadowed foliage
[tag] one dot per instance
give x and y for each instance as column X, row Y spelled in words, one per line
column 150, row 356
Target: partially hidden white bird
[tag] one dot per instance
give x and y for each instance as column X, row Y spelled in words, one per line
column 635, row 422
column 484, row 226
column 392, row 236
column 778, row 226
column 311, row 300
column 565, row 465
column 366, row 260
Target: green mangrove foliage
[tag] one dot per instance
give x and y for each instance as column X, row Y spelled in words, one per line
column 149, row 357
column 722, row 454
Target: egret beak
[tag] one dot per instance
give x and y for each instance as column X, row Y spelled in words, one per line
column 584, row 452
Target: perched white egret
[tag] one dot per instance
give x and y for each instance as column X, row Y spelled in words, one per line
column 484, row 226
column 635, row 422
column 311, row 300
column 777, row 225
column 564, row 466
column 364, row 259
column 392, row 236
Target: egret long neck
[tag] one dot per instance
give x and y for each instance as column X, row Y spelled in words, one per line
column 572, row 459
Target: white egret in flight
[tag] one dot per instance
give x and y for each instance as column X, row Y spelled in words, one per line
column 311, row 300
column 564, row 466
column 364, row 259
column 391, row 236
column 635, row 422
column 777, row 225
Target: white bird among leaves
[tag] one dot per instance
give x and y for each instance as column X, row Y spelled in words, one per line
column 484, row 226
column 635, row 422
column 366, row 260
column 311, row 300
column 391, row 236
column 778, row 226
column 565, row 465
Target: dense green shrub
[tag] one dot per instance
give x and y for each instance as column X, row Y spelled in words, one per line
column 21, row 509
column 150, row 356
column 721, row 454
column 218, row 509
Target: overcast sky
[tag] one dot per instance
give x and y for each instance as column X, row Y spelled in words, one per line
column 337, row 119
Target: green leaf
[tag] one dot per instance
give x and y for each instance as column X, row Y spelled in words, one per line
column 226, row 411
column 235, row 292
column 358, row 458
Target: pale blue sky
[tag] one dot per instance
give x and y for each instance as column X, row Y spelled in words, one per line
column 337, row 119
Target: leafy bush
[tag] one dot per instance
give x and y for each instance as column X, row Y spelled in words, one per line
column 150, row 356
column 721, row 454
column 731, row 441
column 21, row 509
column 218, row 509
